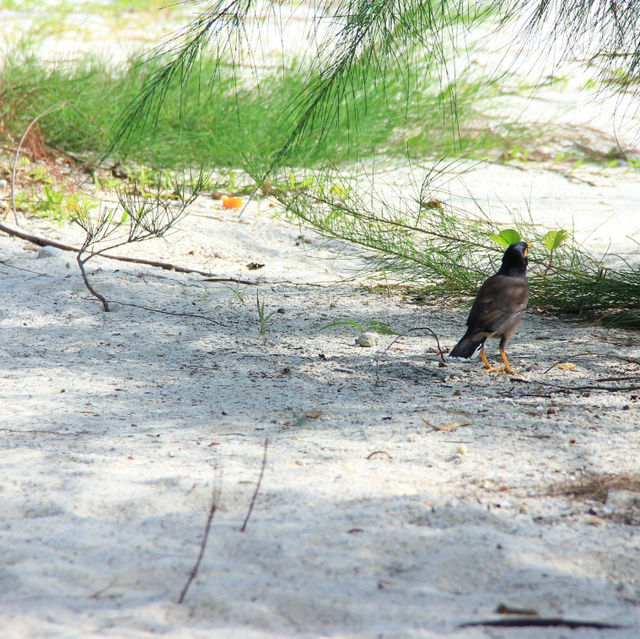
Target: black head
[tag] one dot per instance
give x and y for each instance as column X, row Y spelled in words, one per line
column 514, row 260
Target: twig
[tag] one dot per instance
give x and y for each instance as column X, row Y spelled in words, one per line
column 449, row 426
column 624, row 378
column 157, row 310
column 255, row 494
column 167, row 266
column 629, row 360
column 15, row 159
column 379, row 452
column 440, row 351
column 504, row 609
column 215, row 500
column 561, row 388
column 544, row 622
column 102, row 298
column 421, row 328
column 417, row 328
column 235, row 280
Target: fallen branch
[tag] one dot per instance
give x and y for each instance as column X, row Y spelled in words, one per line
column 157, row 310
column 255, row 494
column 167, row 266
column 215, row 500
column 586, row 387
column 542, row 622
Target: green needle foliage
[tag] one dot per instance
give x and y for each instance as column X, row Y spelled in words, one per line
column 370, row 38
column 438, row 248
column 227, row 123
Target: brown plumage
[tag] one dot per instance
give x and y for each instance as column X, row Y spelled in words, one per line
column 498, row 308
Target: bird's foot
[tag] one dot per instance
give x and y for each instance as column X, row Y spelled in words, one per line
column 488, row 368
column 493, row 369
column 503, row 370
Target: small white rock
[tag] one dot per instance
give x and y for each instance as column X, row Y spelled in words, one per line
column 367, row 338
column 49, row 251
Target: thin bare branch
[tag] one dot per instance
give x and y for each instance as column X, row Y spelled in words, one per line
column 629, row 360
column 102, row 298
column 255, row 493
column 167, row 266
column 215, row 501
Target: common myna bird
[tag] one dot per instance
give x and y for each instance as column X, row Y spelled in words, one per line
column 498, row 308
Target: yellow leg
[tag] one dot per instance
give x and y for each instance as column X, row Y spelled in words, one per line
column 487, row 366
column 507, row 368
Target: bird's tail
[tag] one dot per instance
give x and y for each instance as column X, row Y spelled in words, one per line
column 466, row 348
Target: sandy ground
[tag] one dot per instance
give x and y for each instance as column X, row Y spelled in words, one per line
column 116, row 428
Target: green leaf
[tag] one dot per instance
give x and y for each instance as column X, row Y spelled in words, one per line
column 380, row 327
column 372, row 325
column 344, row 322
column 553, row 239
column 506, row 237
column 339, row 191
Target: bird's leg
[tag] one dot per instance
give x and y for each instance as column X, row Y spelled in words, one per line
column 507, row 368
column 488, row 367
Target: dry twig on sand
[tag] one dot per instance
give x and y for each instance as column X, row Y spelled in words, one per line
column 215, row 501
column 255, row 493
column 167, row 266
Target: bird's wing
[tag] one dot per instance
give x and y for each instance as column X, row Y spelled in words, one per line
column 500, row 299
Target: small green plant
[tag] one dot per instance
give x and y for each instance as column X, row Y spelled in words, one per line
column 264, row 318
column 373, row 326
column 518, row 153
column 237, row 292
column 107, row 182
column 55, row 204
column 39, row 174
column 552, row 241
column 506, row 237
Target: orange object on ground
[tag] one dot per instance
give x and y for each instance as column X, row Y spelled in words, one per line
column 232, row 202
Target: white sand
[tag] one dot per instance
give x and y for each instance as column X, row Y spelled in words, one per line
column 116, row 427
column 113, row 424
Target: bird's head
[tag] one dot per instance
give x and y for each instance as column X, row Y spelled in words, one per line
column 515, row 260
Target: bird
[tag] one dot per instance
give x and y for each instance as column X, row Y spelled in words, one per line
column 498, row 308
